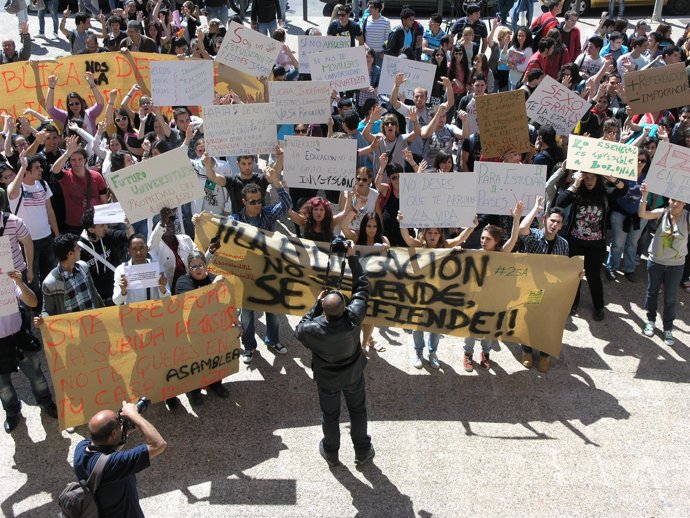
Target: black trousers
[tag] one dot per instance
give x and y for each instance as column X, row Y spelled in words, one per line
column 355, row 399
column 594, row 259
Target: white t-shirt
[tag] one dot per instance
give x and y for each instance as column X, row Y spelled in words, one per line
column 32, row 209
column 369, row 207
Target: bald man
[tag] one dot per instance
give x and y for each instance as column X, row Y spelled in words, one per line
column 331, row 329
column 117, row 494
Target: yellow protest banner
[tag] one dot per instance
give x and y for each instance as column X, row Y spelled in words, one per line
column 516, row 297
column 25, row 84
column 157, row 348
column 502, row 122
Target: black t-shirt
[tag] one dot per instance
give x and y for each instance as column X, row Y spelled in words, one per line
column 112, row 248
column 473, row 146
column 187, row 283
column 352, row 30
column 235, row 183
column 478, row 27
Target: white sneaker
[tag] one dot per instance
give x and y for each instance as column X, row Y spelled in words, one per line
column 417, row 361
column 648, row 329
column 433, row 361
column 668, row 338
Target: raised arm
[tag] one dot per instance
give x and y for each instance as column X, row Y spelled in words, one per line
column 464, row 235
column 405, row 233
column 527, row 222
column 642, row 211
column 97, row 95
column 516, row 212
column 399, row 80
column 15, row 186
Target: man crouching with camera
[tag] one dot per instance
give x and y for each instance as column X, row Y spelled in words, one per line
column 117, row 494
column 331, row 329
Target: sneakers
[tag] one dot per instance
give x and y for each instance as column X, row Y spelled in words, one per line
column 544, row 363
column 247, row 355
column 668, row 338
column 11, row 423
column 630, row 276
column 467, row 362
column 611, row 276
column 417, row 360
column 173, row 403
column 527, row 359
column 433, row 361
column 360, row 460
column 331, row 459
column 484, row 361
column 648, row 329
column 195, row 397
column 277, row 348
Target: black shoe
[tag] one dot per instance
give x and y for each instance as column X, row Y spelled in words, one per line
column 11, row 423
column 630, row 276
column 220, row 390
column 363, row 459
column 173, row 403
column 598, row 315
column 332, row 460
column 195, row 397
column 611, row 275
column 573, row 311
column 50, row 409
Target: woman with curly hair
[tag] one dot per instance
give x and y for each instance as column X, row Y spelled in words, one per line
column 316, row 219
column 569, row 76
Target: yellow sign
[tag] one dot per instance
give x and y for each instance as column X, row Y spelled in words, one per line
column 157, row 348
column 521, row 298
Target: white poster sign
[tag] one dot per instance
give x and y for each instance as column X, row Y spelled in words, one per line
column 8, row 297
column 187, row 82
column 240, row 129
column 108, row 213
column 248, row 51
column 500, row 186
column 167, row 180
column 346, row 69
column 669, row 174
column 321, row 163
column 141, row 276
column 598, row 156
column 301, row 102
column 417, row 74
column 443, row 200
column 555, row 105
column 310, row 44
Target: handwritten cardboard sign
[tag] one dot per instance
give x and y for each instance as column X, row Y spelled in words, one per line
column 108, row 213
column 248, row 51
column 555, row 105
column 187, row 82
column 657, row 88
column 502, row 123
column 309, row 44
column 321, row 163
column 158, row 348
column 345, row 69
column 8, row 297
column 524, row 298
column 301, row 102
column 438, row 200
column 669, row 173
column 240, row 129
column 142, row 276
column 602, row 157
column 500, row 186
column 167, row 180
column 417, row 75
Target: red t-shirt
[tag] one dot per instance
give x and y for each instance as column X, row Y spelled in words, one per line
column 74, row 190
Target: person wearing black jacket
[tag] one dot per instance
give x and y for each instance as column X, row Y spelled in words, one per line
column 266, row 16
column 331, row 329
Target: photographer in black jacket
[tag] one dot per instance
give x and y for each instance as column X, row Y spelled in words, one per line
column 331, row 329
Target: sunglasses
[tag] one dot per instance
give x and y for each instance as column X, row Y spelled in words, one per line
column 120, row 119
column 144, row 103
column 342, row 15
column 254, row 202
column 74, row 103
column 390, row 123
column 301, row 131
column 363, row 180
column 197, row 266
column 395, row 178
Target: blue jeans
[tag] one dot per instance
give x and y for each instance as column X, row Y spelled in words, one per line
column 267, row 28
column 247, row 318
column 31, row 367
column 622, row 244
column 669, row 277
column 220, row 12
column 469, row 345
column 52, row 8
column 418, row 337
column 612, row 7
column 283, row 9
column 521, row 5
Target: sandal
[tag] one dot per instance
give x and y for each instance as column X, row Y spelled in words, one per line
column 379, row 348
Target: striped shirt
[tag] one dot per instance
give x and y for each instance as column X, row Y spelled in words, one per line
column 16, row 231
column 376, row 32
column 432, row 41
column 30, row 206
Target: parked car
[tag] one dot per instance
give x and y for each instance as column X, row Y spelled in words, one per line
column 674, row 7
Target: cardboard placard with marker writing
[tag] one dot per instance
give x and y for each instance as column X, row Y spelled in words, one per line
column 157, row 349
column 669, row 174
column 502, row 122
column 598, row 156
column 517, row 297
column 657, row 88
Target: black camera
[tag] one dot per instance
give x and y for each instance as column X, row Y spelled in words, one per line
column 339, row 246
column 128, row 425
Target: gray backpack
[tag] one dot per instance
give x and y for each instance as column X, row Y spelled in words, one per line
column 78, row 499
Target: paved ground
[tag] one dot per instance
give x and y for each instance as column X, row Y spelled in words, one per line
column 602, row 434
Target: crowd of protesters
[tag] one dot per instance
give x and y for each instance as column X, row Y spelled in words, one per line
column 53, row 163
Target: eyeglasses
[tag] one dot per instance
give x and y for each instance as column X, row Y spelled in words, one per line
column 302, row 131
column 342, row 15
column 197, row 266
column 120, row 119
column 254, row 202
column 363, row 179
column 390, row 123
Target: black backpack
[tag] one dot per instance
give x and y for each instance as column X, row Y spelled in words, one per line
column 21, row 196
column 78, row 499
column 538, row 33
